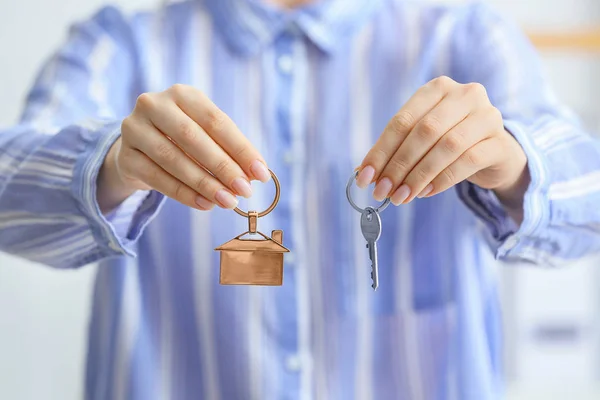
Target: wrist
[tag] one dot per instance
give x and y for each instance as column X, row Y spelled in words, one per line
column 112, row 190
column 512, row 194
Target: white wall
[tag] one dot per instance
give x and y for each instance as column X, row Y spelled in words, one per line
column 43, row 313
column 567, row 299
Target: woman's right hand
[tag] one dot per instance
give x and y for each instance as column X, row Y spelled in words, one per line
column 181, row 144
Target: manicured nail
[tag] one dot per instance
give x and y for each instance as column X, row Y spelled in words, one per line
column 365, row 177
column 203, row 203
column 426, row 191
column 260, row 171
column 242, row 187
column 382, row 189
column 400, row 194
column 226, row 199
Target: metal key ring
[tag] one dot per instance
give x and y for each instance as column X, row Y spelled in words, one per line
column 379, row 208
column 271, row 207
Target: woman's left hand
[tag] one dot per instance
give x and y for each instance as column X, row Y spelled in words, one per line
column 447, row 132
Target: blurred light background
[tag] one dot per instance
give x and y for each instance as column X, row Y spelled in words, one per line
column 552, row 317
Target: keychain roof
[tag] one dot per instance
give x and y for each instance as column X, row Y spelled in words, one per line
column 269, row 244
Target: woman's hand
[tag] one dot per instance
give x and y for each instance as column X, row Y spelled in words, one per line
column 181, row 144
column 446, row 133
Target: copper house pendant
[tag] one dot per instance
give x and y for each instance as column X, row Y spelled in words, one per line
column 254, row 262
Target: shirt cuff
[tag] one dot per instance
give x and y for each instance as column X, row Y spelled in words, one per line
column 509, row 241
column 117, row 232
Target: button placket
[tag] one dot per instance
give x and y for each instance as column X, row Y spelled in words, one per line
column 285, row 63
column 293, row 363
column 288, row 157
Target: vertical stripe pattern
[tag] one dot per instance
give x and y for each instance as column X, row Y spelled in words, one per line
column 360, row 139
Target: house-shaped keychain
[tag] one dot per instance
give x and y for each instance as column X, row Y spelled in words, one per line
column 254, row 262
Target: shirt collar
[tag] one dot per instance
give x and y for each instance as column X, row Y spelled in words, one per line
column 249, row 25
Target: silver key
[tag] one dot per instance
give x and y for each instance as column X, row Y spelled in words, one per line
column 370, row 225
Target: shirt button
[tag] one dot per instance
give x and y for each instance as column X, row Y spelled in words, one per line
column 288, row 157
column 289, row 258
column 285, row 64
column 293, row 363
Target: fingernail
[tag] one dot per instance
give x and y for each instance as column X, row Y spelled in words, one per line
column 203, row 203
column 226, row 199
column 365, row 177
column 401, row 194
column 242, row 187
column 382, row 189
column 260, row 171
column 426, row 191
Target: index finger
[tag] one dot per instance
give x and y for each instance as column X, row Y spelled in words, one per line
column 222, row 129
column 396, row 131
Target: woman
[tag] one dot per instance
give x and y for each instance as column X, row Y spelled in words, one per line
column 141, row 124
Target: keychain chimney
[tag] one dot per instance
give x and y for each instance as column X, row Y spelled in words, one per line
column 277, row 236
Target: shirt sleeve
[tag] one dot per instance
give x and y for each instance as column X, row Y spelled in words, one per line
column 561, row 205
column 49, row 161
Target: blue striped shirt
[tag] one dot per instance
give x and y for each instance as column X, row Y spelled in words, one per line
column 312, row 89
